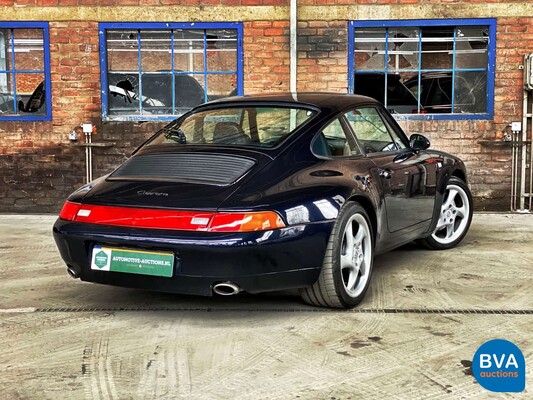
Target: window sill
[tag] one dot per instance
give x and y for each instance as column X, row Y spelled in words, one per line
column 441, row 117
column 94, row 144
column 503, row 143
column 140, row 118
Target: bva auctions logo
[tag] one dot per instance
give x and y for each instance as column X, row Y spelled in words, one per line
column 499, row 366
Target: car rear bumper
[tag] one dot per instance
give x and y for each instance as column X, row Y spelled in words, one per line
column 255, row 261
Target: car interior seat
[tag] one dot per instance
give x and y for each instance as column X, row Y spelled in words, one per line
column 320, row 146
column 229, row 133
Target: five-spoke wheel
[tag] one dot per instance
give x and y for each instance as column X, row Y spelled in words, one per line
column 347, row 266
column 455, row 216
column 356, row 255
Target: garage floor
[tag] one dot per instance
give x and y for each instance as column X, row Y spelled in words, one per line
column 423, row 318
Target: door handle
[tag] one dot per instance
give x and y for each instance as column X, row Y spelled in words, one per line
column 385, row 173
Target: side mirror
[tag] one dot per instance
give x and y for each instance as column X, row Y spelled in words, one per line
column 419, row 142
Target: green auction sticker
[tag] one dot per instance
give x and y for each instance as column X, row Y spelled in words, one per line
column 101, row 259
column 132, row 261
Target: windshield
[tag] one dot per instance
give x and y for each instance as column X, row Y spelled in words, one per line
column 255, row 126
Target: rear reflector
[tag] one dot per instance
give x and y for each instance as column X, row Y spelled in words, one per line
column 171, row 219
column 84, row 213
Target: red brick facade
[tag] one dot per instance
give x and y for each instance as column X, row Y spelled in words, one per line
column 39, row 167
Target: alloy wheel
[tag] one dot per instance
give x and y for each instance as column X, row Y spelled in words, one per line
column 454, row 215
column 356, row 255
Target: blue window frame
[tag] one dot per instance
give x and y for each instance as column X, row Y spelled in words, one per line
column 425, row 69
column 25, row 72
column 157, row 71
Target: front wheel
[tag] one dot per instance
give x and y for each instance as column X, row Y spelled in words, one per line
column 348, row 262
column 454, row 218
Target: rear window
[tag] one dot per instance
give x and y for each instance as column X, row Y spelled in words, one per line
column 235, row 126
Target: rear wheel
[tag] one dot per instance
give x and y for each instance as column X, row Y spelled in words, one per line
column 454, row 219
column 348, row 262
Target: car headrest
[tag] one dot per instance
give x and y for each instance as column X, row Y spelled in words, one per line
column 229, row 132
column 320, row 146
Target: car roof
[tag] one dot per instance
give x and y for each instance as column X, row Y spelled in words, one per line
column 321, row 100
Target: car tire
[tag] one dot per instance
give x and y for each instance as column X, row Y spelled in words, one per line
column 454, row 218
column 348, row 262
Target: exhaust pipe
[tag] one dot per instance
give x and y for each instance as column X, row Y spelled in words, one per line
column 72, row 273
column 226, row 289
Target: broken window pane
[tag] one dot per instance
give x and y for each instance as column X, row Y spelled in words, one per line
column 432, row 69
column 22, row 72
column 369, row 49
column 470, row 92
column 166, row 72
column 403, row 49
column 472, row 47
column 31, row 94
column 123, row 93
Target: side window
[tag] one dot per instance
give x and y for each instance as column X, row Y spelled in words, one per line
column 333, row 142
column 375, row 134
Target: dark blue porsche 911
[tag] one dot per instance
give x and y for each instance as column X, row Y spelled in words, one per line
column 266, row 193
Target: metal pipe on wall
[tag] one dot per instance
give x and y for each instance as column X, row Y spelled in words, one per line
column 514, row 182
column 90, row 159
column 523, row 157
column 87, row 163
column 293, row 46
column 530, row 116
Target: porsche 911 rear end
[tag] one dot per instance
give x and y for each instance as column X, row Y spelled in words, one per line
column 165, row 220
column 189, row 252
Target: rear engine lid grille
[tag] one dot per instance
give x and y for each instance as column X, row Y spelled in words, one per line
column 216, row 169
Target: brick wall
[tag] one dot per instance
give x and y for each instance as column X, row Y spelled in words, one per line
column 39, row 167
column 266, row 59
column 322, row 56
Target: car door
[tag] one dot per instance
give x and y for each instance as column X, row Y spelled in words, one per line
column 405, row 178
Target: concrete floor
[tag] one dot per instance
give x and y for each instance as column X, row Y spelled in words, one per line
column 412, row 337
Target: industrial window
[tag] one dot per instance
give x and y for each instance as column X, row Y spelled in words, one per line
column 425, row 69
column 24, row 72
column 157, row 71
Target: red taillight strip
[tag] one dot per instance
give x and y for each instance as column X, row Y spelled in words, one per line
column 140, row 217
column 171, row 219
column 69, row 211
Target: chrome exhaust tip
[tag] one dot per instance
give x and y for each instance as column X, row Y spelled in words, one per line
column 72, row 273
column 226, row 289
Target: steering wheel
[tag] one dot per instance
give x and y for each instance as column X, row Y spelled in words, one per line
column 389, row 147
